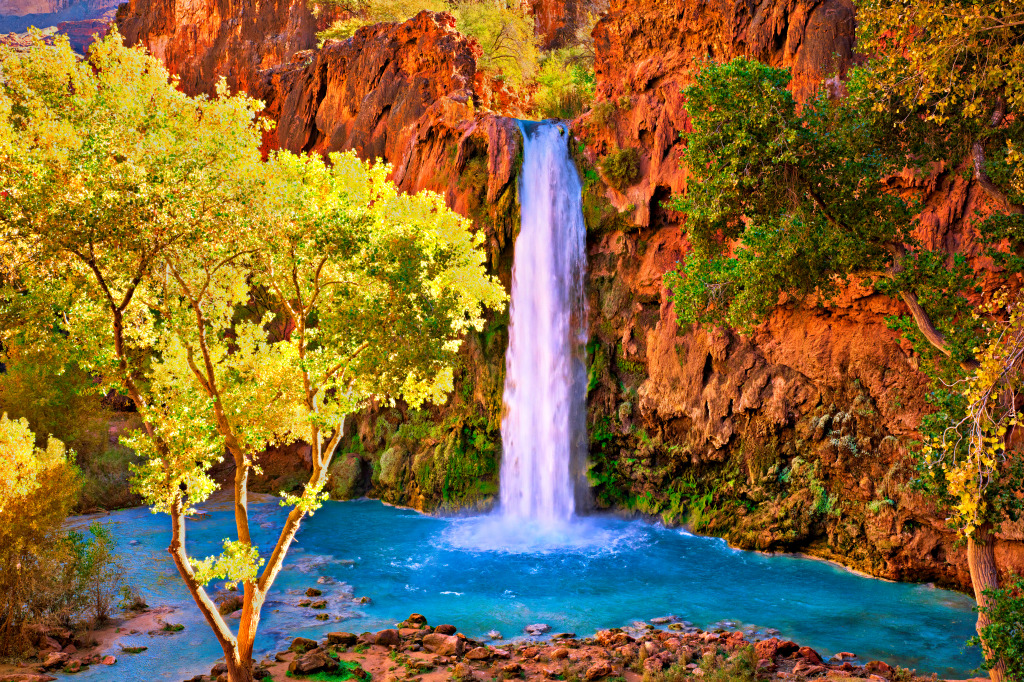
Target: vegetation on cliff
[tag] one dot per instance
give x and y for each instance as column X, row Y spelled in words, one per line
column 800, row 202
column 239, row 303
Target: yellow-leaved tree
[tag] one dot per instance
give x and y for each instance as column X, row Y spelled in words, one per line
column 165, row 226
column 975, row 463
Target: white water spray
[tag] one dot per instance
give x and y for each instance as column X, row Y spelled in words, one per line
column 544, row 429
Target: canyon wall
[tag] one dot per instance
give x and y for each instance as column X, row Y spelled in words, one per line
column 792, row 439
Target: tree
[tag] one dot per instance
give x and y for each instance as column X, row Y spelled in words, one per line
column 367, row 291
column 972, row 465
column 800, row 201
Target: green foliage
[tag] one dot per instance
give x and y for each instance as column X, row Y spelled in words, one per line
column 1004, row 635
column 796, row 203
column 565, row 84
column 463, row 465
column 954, row 67
column 603, row 112
column 621, row 168
column 739, row 667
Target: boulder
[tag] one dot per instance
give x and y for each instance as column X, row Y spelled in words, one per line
column 480, row 653
column 416, row 619
column 108, row 660
column 810, row 655
column 653, row 665
column 388, row 638
column 312, row 662
column 313, row 592
column 442, row 645
column 559, row 653
column 301, row 645
column 445, row 629
column 880, row 668
column 57, row 659
column 342, row 638
column 599, row 670
column 537, row 629
column 770, row 648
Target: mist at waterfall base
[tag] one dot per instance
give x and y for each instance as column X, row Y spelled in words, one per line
column 533, row 560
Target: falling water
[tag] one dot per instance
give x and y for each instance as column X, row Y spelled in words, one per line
column 544, row 429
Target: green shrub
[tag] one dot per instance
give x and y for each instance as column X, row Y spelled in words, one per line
column 1004, row 635
column 621, row 168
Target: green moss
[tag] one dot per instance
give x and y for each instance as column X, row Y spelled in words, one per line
column 628, row 366
column 596, row 364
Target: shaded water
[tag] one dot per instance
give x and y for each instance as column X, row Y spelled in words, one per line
column 544, row 431
column 614, row 572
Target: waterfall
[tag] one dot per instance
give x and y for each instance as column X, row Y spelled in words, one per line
column 544, row 428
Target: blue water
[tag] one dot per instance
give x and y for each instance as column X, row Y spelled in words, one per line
column 600, row 573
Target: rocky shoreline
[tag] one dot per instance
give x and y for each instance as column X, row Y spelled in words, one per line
column 664, row 650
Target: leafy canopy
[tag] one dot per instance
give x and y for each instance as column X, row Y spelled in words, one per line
column 802, row 201
column 957, row 67
column 239, row 303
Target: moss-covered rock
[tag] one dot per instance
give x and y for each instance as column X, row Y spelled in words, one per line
column 345, row 476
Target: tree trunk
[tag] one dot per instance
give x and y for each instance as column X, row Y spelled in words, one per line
column 981, row 560
column 240, row 670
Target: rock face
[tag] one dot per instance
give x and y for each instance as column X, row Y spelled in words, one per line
column 814, row 411
column 794, row 438
column 203, row 40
